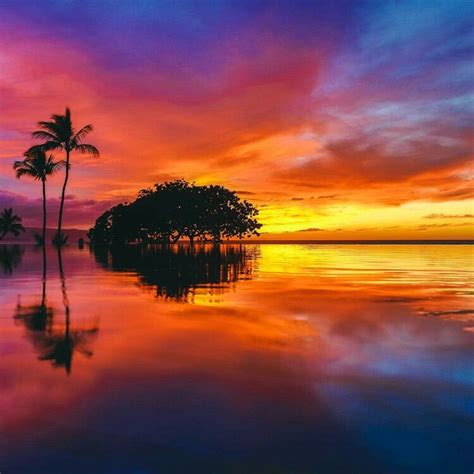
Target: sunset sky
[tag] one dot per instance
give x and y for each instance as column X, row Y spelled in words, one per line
column 339, row 120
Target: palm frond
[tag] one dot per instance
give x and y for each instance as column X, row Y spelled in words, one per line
column 49, row 146
column 79, row 136
column 26, row 172
column 10, row 222
column 52, row 167
column 33, row 149
column 89, row 149
column 37, row 165
column 45, row 135
column 60, row 126
column 16, row 229
column 51, row 127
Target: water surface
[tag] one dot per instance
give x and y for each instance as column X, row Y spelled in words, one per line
column 245, row 359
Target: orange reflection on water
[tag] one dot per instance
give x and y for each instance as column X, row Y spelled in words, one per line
column 235, row 331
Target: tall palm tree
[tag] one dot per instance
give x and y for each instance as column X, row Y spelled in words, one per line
column 59, row 134
column 10, row 223
column 38, row 166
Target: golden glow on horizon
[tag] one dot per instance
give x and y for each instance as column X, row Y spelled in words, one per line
column 300, row 170
column 412, row 220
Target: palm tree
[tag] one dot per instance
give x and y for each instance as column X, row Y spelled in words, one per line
column 10, row 223
column 59, row 134
column 38, row 166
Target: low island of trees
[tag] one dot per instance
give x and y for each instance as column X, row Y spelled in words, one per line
column 177, row 210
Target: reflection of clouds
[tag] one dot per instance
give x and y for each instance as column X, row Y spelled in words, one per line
column 321, row 347
column 361, row 336
column 391, row 341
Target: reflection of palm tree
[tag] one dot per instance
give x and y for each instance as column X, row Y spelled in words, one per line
column 54, row 343
column 59, row 348
column 10, row 257
column 10, row 223
column 59, row 134
column 38, row 166
column 36, row 318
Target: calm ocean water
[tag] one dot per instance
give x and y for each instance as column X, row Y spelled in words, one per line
column 244, row 359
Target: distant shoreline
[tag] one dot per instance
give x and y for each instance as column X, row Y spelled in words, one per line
column 295, row 242
column 363, row 242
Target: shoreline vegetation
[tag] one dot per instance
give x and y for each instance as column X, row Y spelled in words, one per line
column 177, row 210
column 58, row 134
column 167, row 213
column 253, row 241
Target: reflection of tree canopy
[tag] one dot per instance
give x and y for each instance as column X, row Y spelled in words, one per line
column 59, row 344
column 10, row 257
column 36, row 318
column 178, row 270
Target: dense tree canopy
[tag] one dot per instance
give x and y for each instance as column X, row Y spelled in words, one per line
column 176, row 210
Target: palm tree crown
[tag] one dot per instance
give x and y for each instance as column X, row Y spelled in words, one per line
column 37, row 165
column 59, row 134
column 10, row 223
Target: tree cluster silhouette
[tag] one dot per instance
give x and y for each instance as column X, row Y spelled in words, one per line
column 177, row 210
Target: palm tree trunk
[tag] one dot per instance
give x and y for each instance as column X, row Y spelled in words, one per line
column 63, row 193
column 43, row 294
column 44, row 211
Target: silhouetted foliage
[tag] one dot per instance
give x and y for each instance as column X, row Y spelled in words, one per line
column 177, row 271
column 10, row 223
column 59, row 134
column 176, row 210
column 10, row 257
column 38, row 166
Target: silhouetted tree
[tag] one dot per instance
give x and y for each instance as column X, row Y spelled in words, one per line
column 226, row 215
column 38, row 166
column 175, row 210
column 59, row 134
column 10, row 223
